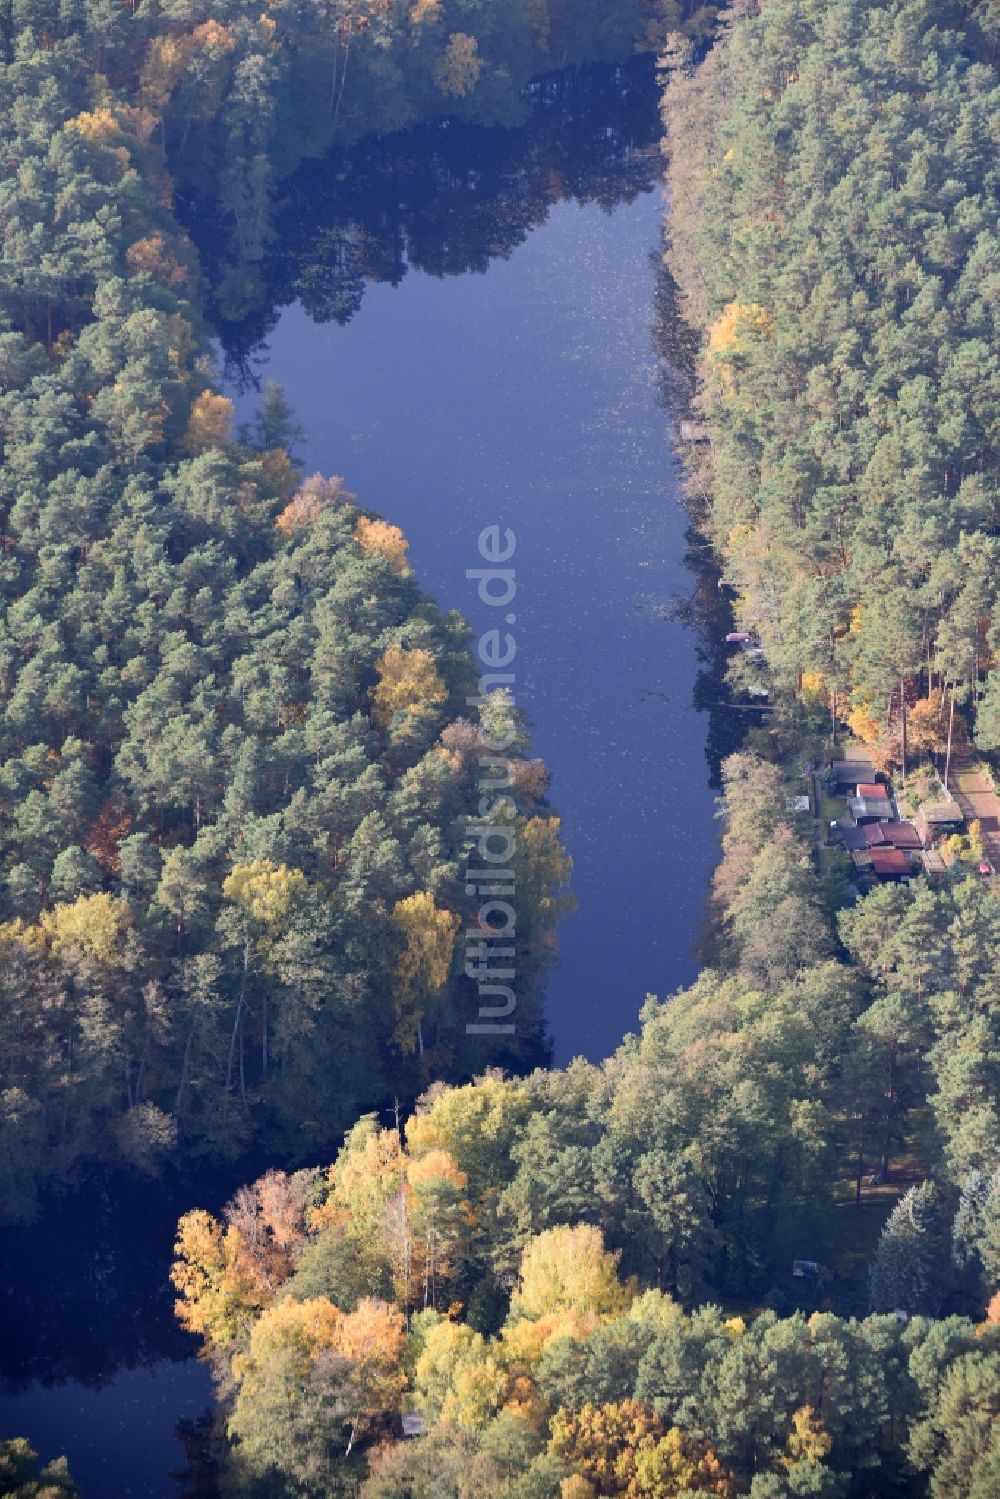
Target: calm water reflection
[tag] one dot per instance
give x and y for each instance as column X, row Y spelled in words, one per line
column 529, row 396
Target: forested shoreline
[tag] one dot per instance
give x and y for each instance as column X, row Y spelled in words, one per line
column 757, row 1251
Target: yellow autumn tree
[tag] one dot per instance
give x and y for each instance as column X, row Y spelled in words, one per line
column 291, row 1333
column 366, row 1209
column 98, row 126
column 461, row 65
column 864, row 724
column 263, row 895
column 568, row 1269
column 266, row 892
column 426, row 943
column 166, row 59
column 543, row 869
column 730, row 333
column 375, row 535
column 351, row 1360
column 404, row 1219
column 408, row 685
column 368, row 1170
column 621, row 1448
column 602, row 1441
column 476, row 1124
column 677, row 1465
column 457, row 1379
column 808, row 1441
column 209, row 423
column 96, row 925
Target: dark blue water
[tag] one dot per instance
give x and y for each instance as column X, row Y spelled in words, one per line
column 478, row 350
column 527, row 397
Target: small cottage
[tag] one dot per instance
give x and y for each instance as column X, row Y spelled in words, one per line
column 935, row 818
column 892, row 834
column 889, row 863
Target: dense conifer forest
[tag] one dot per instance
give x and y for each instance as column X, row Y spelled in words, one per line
column 757, row 1250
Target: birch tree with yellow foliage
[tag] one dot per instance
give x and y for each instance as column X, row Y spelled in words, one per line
column 426, row 934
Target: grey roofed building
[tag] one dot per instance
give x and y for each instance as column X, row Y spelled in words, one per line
column 870, row 808
column 850, row 772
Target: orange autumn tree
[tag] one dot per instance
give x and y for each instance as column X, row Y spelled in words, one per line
column 440, row 1219
column 623, row 1449
column 313, row 498
column 269, row 1217
column 150, row 256
column 371, row 1339
column 219, row 1295
column 379, row 537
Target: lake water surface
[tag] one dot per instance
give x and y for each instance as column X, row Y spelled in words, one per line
column 463, row 322
column 509, row 377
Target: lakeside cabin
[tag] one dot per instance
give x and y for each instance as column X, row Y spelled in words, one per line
column 935, row 818
column 881, row 845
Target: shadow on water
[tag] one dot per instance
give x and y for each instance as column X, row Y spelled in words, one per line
column 444, row 199
column 92, row 1361
column 707, row 609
